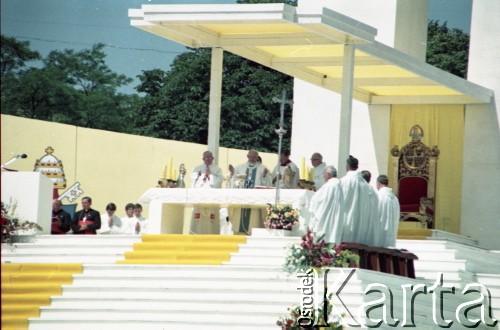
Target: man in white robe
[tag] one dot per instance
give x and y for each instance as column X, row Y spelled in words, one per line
column 130, row 224
column 356, row 203
column 248, row 175
column 371, row 231
column 317, row 170
column 388, row 212
column 287, row 173
column 206, row 176
column 327, row 208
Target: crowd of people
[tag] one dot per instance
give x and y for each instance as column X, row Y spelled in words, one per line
column 344, row 210
column 88, row 221
column 348, row 209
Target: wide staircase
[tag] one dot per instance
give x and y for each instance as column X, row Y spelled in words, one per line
column 126, row 283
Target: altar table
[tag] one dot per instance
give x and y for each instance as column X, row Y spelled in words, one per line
column 170, row 209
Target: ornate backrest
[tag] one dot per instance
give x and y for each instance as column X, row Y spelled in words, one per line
column 414, row 174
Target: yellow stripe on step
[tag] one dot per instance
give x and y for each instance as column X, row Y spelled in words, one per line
column 183, row 249
column 26, row 287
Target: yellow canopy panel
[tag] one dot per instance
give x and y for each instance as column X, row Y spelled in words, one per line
column 310, row 47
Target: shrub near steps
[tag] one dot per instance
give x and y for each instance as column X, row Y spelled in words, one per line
column 27, row 287
column 183, row 249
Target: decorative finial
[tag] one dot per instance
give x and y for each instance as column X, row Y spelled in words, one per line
column 416, row 133
column 49, row 150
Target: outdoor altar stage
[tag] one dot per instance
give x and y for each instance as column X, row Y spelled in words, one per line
column 170, row 209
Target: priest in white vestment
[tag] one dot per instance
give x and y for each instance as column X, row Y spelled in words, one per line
column 317, row 170
column 356, row 202
column 327, row 208
column 287, row 173
column 372, row 231
column 206, row 176
column 249, row 175
column 388, row 212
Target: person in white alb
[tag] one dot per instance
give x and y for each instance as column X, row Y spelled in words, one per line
column 371, row 231
column 130, row 224
column 111, row 224
column 317, row 170
column 388, row 213
column 357, row 203
column 287, row 173
column 327, row 208
column 206, row 220
column 143, row 222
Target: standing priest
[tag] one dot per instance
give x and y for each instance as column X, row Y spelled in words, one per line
column 357, row 204
column 206, row 176
column 327, row 208
column 388, row 213
column 248, row 175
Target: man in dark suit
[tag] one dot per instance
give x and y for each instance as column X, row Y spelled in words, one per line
column 61, row 220
column 86, row 221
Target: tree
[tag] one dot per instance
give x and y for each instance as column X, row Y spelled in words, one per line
column 74, row 87
column 248, row 115
column 14, row 55
column 447, row 49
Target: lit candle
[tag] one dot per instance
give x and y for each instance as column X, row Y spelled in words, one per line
column 170, row 168
column 303, row 168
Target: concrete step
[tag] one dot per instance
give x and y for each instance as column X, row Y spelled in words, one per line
column 42, row 324
column 69, row 259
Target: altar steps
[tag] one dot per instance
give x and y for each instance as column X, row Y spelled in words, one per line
column 183, row 249
column 182, row 297
column 26, row 287
column 248, row 281
column 69, row 249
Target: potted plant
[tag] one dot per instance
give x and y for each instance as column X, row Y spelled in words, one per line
column 15, row 230
column 314, row 252
column 281, row 217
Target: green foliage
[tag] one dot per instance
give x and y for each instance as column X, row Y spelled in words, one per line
column 447, row 49
column 14, row 55
column 176, row 104
column 72, row 87
column 314, row 252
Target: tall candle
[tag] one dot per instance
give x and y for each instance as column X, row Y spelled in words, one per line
column 303, row 168
column 165, row 172
column 170, row 168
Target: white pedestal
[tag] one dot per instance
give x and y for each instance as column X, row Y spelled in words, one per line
column 32, row 191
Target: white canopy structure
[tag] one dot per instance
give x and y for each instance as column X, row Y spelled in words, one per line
column 311, row 47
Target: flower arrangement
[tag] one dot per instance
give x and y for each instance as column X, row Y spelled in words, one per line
column 296, row 319
column 314, row 252
column 12, row 225
column 281, row 217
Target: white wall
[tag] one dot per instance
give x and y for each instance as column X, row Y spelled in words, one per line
column 481, row 169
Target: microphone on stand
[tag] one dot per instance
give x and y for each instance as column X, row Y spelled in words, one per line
column 13, row 160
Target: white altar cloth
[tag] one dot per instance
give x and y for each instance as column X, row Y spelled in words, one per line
column 170, row 208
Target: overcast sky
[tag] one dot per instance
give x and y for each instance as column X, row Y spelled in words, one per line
column 77, row 24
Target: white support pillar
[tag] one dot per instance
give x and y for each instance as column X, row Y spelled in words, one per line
column 345, row 109
column 215, row 102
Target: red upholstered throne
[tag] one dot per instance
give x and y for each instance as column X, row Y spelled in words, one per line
column 414, row 171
